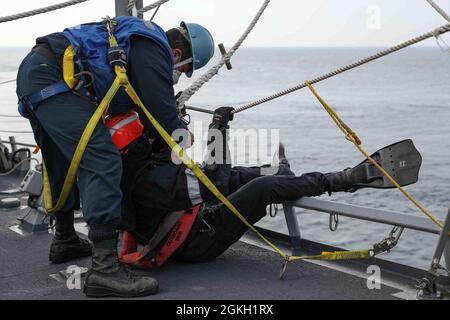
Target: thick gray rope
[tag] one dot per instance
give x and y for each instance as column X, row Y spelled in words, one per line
column 40, row 11
column 434, row 33
column 152, row 6
column 439, row 10
column 189, row 92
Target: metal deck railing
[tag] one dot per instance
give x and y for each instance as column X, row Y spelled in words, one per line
column 392, row 218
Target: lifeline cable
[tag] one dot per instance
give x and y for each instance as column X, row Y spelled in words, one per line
column 40, row 10
column 189, row 92
column 9, row 116
column 14, row 131
column 8, row 81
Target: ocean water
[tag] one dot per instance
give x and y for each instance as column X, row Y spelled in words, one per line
column 405, row 95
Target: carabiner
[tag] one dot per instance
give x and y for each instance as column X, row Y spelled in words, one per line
column 334, row 221
column 81, row 83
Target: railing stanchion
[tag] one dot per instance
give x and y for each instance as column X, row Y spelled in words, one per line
column 294, row 229
column 428, row 285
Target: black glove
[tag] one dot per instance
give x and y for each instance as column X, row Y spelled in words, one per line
column 222, row 116
column 182, row 113
column 177, row 97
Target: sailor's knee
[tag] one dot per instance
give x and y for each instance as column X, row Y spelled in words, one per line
column 262, row 184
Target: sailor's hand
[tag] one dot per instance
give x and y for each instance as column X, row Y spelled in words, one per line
column 182, row 113
column 222, row 116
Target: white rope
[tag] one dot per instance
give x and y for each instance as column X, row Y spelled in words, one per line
column 152, row 6
column 189, row 92
column 40, row 11
column 435, row 33
column 439, row 10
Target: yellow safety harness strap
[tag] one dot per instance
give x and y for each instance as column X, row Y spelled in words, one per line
column 69, row 67
column 338, row 255
column 357, row 142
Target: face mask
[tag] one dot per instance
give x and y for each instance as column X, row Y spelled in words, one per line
column 177, row 74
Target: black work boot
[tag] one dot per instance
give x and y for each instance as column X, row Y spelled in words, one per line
column 284, row 168
column 66, row 245
column 108, row 277
column 344, row 181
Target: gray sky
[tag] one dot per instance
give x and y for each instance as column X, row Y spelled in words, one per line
column 285, row 23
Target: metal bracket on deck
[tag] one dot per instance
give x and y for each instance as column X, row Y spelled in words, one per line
column 35, row 219
column 428, row 289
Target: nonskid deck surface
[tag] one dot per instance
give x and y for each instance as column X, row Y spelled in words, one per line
column 244, row 272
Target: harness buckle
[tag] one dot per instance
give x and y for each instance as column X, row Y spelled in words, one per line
column 117, row 57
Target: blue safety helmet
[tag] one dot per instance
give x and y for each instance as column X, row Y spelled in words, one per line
column 202, row 45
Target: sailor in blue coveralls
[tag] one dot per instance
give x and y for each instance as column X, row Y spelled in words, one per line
column 58, row 116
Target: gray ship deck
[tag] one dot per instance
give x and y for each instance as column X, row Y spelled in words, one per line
column 246, row 271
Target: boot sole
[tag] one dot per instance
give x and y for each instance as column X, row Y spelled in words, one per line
column 68, row 257
column 98, row 292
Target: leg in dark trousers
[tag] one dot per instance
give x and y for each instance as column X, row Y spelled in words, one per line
column 58, row 124
column 251, row 200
